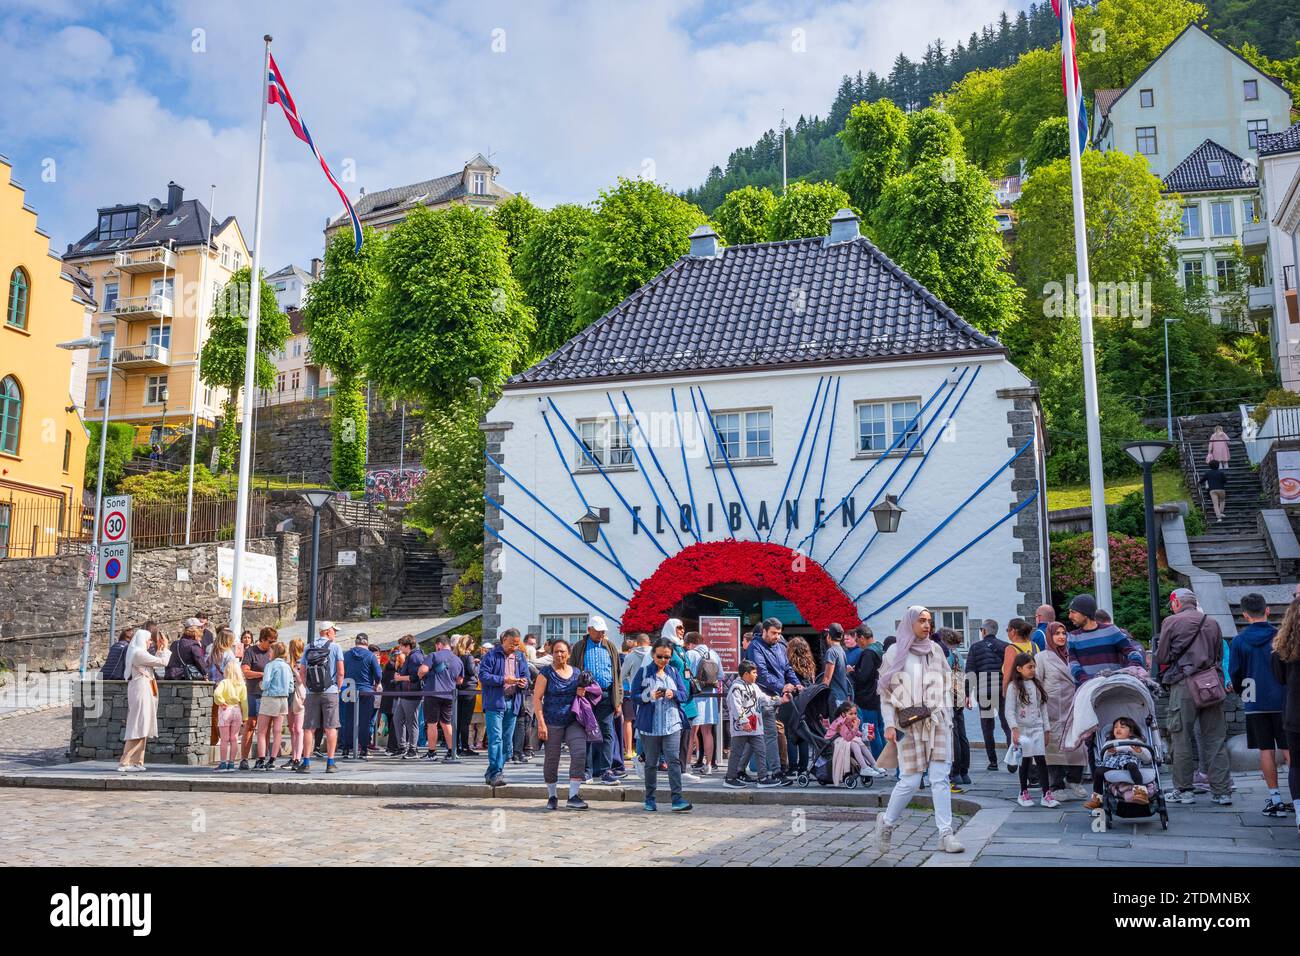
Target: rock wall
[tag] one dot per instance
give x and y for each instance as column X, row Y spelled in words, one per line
column 184, row 722
column 42, row 600
column 295, row 439
column 1268, row 476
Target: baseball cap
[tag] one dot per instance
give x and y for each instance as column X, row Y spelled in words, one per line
column 323, row 626
column 597, row 623
column 192, row 622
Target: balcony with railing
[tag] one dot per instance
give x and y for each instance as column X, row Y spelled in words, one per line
column 1254, row 238
column 148, row 307
column 1259, row 298
column 149, row 355
column 157, row 259
column 1289, row 294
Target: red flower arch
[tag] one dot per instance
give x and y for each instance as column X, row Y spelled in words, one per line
column 794, row 576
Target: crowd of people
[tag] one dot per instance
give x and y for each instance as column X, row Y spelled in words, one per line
column 664, row 702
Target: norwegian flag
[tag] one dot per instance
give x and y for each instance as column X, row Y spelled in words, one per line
column 1070, row 42
column 278, row 92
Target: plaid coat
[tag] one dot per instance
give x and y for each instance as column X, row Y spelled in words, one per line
column 924, row 680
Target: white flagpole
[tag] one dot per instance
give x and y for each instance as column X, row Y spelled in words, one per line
column 1096, row 480
column 250, row 367
column 198, row 362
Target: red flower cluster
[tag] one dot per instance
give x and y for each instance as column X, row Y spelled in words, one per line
column 794, row 576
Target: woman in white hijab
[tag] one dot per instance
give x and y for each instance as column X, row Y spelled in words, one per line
column 141, row 697
column 916, row 704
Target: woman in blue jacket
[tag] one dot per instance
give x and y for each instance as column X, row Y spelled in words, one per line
column 659, row 692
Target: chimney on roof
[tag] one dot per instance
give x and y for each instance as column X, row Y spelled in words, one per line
column 704, row 243
column 315, row 268
column 844, row 227
column 175, row 195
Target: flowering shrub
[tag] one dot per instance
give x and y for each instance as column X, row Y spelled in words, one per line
column 1072, row 562
column 794, row 576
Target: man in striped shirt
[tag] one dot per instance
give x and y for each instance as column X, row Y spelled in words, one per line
column 1094, row 648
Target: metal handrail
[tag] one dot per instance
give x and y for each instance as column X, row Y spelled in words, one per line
column 1189, row 459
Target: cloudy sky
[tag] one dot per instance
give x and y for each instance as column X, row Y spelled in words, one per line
column 105, row 102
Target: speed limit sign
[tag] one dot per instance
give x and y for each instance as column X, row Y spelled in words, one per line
column 115, row 526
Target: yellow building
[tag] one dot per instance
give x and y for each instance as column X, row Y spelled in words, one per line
column 42, row 437
column 147, row 264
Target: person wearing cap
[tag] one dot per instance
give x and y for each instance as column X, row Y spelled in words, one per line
column 1191, row 642
column 598, row 656
column 321, row 707
column 1095, row 648
column 361, row 668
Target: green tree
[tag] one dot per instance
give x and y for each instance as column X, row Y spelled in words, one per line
column 546, row 265
column 876, row 137
column 977, row 104
column 640, row 229
column 336, row 307
column 447, row 307
column 806, row 210
column 450, row 496
column 1119, row 38
column 743, row 217
column 517, row 217
column 936, row 221
column 121, row 440
column 1033, row 94
column 1051, row 141
column 931, row 134
column 224, row 353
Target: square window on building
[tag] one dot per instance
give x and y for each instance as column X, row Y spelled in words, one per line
column 1214, row 168
column 606, row 440
column 1192, row 221
column 744, row 435
column 568, row 627
column 156, row 390
column 1146, row 140
column 480, row 184
column 295, row 380
column 109, row 297
column 160, row 335
column 1253, row 130
column 1193, row 275
column 906, row 421
column 1221, row 219
column 1225, row 275
column 758, row 434
column 1250, row 89
column 872, row 430
column 1147, row 98
column 956, row 618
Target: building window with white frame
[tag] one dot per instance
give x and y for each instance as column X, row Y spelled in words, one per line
column 1250, row 90
column 1193, row 275
column 160, row 335
column 155, row 389
column 881, row 424
column 1225, row 275
column 566, row 627
column 110, row 296
column 1147, row 98
column 1253, row 130
column 957, row 618
column 1146, row 140
column 607, row 443
column 1221, row 219
column 1192, row 221
column 743, row 435
column 480, row 184
column 101, row 392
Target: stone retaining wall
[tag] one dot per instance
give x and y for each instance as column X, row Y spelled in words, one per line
column 295, row 439
column 184, row 723
column 1268, row 475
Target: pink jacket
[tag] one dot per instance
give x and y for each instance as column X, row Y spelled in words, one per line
column 1218, row 450
column 840, row 727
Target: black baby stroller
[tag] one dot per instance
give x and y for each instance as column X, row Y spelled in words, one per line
column 806, row 712
column 1123, row 695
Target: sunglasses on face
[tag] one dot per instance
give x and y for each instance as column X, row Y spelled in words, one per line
column 663, row 657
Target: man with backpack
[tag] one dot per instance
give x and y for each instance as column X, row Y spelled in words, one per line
column 321, row 671
column 441, row 676
column 866, row 693
column 985, row 661
column 706, row 667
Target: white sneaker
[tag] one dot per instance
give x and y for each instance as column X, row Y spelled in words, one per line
column 1049, row 800
column 884, row 832
column 948, row 843
column 1025, row 800
column 706, row 770
column 124, row 768
column 690, row 778
column 1079, row 791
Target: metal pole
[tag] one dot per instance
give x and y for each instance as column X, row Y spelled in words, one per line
column 367, row 425
column 315, row 560
column 110, row 339
column 1096, row 478
column 455, row 730
column 401, row 446
column 1169, row 395
column 198, row 363
column 112, row 615
column 1153, row 584
column 783, row 152
column 250, row 367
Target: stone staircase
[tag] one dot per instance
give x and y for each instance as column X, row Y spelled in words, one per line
column 1245, row 492
column 422, row 584
column 361, row 514
column 1239, row 559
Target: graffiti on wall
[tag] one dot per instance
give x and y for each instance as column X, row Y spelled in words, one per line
column 392, row 484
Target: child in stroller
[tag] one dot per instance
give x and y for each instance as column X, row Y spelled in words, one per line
column 1119, row 754
column 845, row 731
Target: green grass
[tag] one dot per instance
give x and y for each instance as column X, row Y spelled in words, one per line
column 1167, row 482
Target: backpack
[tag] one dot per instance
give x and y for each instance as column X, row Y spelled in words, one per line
column 316, row 662
column 708, row 672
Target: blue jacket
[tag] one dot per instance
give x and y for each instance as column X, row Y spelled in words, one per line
column 492, row 678
column 278, row 679
column 1251, row 650
column 645, row 715
column 362, row 668
column 774, row 670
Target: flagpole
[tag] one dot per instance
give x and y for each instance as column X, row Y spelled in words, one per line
column 198, row 363
column 1096, row 479
column 250, row 368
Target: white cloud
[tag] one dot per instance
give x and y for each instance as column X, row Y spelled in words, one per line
column 584, row 92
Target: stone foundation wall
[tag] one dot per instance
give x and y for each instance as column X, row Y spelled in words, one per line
column 184, row 723
column 1028, row 528
column 42, row 600
column 1268, row 476
column 295, row 439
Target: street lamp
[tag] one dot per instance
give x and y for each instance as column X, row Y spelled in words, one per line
column 1169, row 395
column 93, row 342
column 589, row 524
column 316, row 497
column 887, row 514
column 1145, row 454
column 162, row 429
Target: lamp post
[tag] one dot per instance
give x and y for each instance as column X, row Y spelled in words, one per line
column 887, row 514
column 1145, row 454
column 92, row 342
column 1169, row 395
column 162, row 429
column 316, row 498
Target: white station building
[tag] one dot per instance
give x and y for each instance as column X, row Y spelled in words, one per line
column 734, row 422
